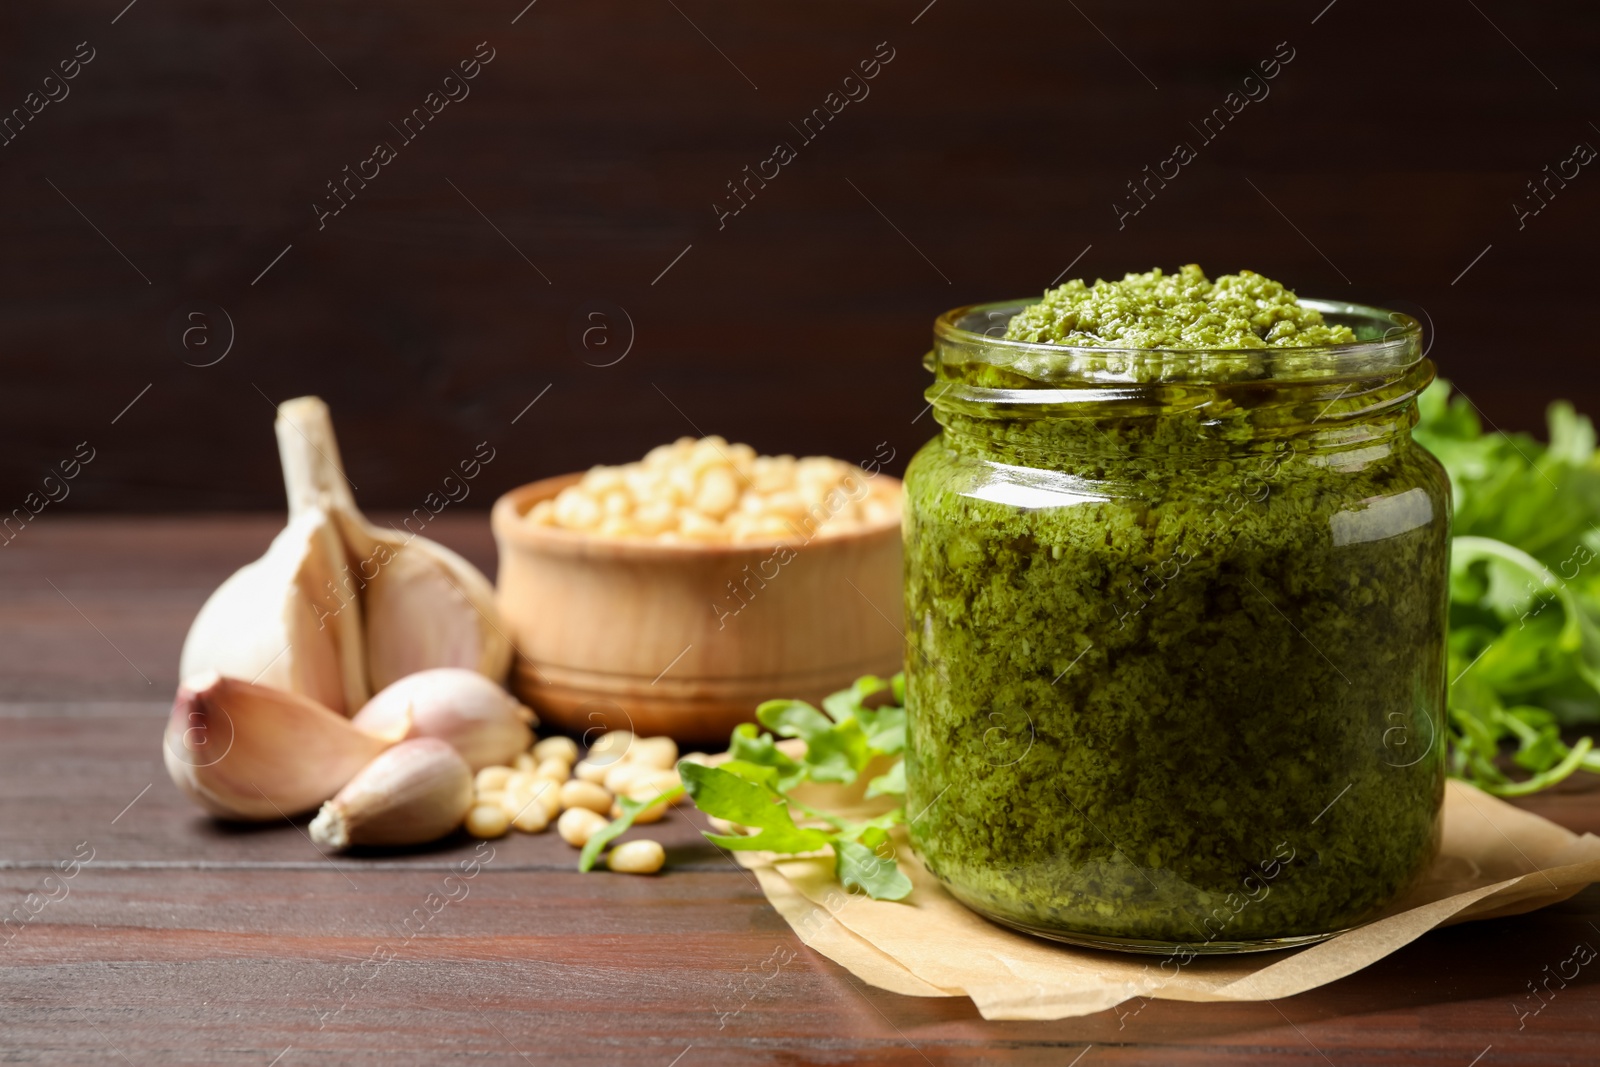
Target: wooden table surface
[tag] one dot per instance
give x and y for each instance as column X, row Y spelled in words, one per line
column 183, row 942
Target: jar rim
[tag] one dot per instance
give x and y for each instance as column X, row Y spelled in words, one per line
column 1392, row 344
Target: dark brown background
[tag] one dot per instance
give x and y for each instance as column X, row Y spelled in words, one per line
column 997, row 141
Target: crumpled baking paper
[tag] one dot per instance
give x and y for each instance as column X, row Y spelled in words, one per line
column 1495, row 860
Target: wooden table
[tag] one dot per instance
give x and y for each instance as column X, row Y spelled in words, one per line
column 182, row 942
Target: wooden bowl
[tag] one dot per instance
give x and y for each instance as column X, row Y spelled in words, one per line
column 686, row 639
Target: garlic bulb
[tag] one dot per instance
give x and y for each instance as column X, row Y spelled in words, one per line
column 338, row 608
column 486, row 724
column 417, row 791
column 245, row 751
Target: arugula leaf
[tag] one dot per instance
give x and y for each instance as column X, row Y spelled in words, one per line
column 759, row 773
column 838, row 755
column 728, row 796
column 892, row 783
column 613, row 829
column 754, row 747
column 835, row 751
column 886, row 728
column 863, row 865
column 849, row 703
column 752, row 788
column 792, row 718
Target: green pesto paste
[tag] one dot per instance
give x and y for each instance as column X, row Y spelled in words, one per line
column 1176, row 660
column 1182, row 310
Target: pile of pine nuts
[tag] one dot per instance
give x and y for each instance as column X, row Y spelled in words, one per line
column 710, row 491
column 550, row 783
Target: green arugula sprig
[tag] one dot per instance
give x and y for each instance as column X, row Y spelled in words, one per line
column 1524, row 643
column 754, row 787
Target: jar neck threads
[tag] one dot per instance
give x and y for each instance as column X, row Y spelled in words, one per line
column 1181, row 423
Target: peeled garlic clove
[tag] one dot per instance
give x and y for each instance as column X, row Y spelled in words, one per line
column 290, row 620
column 424, row 606
column 417, row 791
column 245, row 751
column 486, row 724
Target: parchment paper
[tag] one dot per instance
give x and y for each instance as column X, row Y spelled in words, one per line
column 1495, row 860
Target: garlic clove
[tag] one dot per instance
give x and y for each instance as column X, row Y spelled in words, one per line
column 290, row 620
column 417, row 791
column 246, row 751
column 424, row 606
column 486, row 724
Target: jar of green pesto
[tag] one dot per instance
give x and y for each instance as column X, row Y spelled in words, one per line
column 1176, row 618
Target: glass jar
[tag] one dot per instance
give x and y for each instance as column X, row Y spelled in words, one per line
column 1176, row 629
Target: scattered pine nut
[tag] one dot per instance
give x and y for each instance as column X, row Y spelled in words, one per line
column 611, row 746
column 652, row 783
column 487, row 821
column 658, row 752
column 581, row 794
column 561, row 748
column 532, row 818
column 577, row 825
column 492, row 779
column 622, row 775
column 555, row 770
column 637, row 857
column 517, row 793
column 589, row 771
column 548, row 794
column 654, row 813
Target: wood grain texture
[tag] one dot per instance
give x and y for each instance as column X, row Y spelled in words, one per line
column 184, row 941
column 990, row 155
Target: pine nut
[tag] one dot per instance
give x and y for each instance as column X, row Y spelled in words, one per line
column 637, row 857
column 589, row 771
column 561, row 748
column 492, row 779
column 652, row 783
column 654, row 813
column 611, row 746
column 581, row 794
column 525, row 763
column 548, row 795
column 623, row 775
column 577, row 825
column 555, row 770
column 487, row 820
column 531, row 819
column 658, row 752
